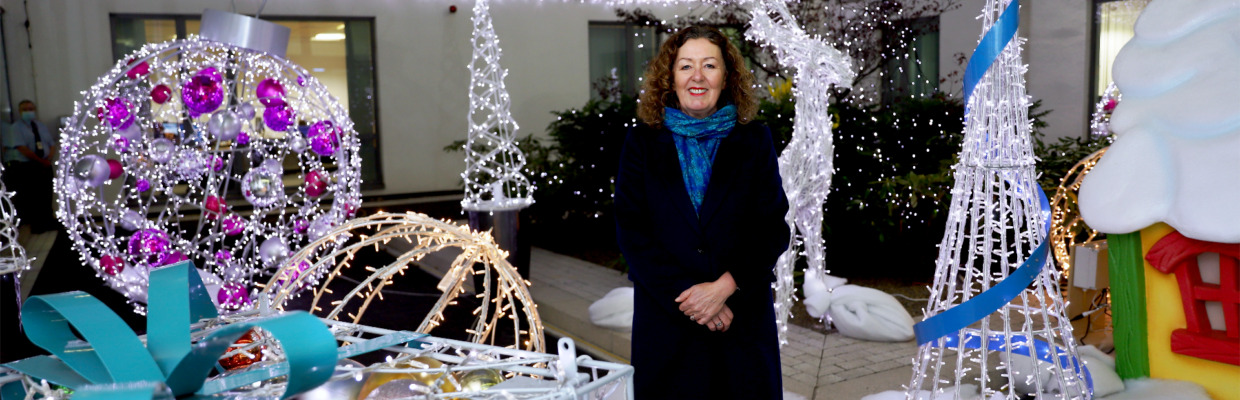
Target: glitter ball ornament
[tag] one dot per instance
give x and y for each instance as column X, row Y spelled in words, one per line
column 316, row 183
column 211, row 154
column 204, row 92
column 279, row 117
column 232, row 296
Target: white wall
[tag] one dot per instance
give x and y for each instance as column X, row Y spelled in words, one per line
column 422, row 51
column 421, row 54
column 1056, row 51
column 1058, row 58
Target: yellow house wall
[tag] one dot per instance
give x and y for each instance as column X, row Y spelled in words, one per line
column 1165, row 314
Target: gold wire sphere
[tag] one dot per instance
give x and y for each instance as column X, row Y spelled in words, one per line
column 1067, row 226
column 479, row 256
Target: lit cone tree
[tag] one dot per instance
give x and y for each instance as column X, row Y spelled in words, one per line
column 991, row 256
column 493, row 164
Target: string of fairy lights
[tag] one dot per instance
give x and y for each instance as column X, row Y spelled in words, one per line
column 173, row 130
column 806, row 163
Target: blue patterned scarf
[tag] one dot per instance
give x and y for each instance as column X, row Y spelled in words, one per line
column 697, row 140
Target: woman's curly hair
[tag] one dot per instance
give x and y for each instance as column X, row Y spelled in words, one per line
column 659, row 88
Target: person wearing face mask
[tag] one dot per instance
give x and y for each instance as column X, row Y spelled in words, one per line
column 29, row 149
column 700, row 220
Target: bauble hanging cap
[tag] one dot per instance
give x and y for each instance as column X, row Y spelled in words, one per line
column 242, row 31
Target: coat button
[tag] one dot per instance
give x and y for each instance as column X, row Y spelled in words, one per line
column 701, row 250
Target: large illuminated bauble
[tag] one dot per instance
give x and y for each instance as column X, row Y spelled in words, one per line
column 187, row 131
column 479, row 380
column 425, row 379
column 344, row 389
column 399, row 389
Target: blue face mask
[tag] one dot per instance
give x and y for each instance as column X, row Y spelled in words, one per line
column 27, row 116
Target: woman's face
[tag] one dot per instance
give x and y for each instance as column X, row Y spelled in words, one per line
column 699, row 73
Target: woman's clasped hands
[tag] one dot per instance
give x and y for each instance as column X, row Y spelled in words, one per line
column 704, row 303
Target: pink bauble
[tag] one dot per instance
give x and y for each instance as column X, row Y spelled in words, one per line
column 215, row 206
column 112, row 265
column 138, row 70
column 270, row 92
column 115, row 169
column 161, row 93
column 316, row 183
column 300, row 226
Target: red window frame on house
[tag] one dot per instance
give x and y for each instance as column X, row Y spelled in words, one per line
column 1177, row 254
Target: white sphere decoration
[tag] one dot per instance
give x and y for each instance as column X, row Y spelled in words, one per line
column 177, row 177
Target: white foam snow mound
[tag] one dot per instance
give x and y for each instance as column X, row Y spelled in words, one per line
column 857, row 312
column 615, row 310
column 1101, row 369
column 1176, row 158
column 1160, row 389
column 967, row 392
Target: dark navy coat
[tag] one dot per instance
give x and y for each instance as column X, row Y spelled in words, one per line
column 669, row 249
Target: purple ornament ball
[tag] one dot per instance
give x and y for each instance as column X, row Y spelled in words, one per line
column 279, row 117
column 270, row 92
column 117, row 113
column 232, row 296
column 149, row 245
column 243, row 138
column 203, row 93
column 142, row 185
column 323, row 139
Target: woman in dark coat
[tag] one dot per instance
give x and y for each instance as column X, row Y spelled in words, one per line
column 700, row 219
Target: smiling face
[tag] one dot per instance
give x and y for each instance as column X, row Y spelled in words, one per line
column 699, row 76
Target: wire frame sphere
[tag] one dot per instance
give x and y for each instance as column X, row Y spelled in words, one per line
column 12, row 254
column 164, row 146
column 503, row 294
column 1067, row 226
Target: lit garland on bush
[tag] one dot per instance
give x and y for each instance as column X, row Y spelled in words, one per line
column 171, row 131
column 480, row 256
column 493, row 175
column 806, row 164
column 995, row 222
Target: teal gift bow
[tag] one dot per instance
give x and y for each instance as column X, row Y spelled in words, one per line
column 113, row 364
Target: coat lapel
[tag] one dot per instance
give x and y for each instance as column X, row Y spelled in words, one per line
column 721, row 175
column 667, row 164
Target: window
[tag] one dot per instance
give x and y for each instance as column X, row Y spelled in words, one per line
column 337, row 51
column 619, row 53
column 1113, row 23
column 1208, row 274
column 914, row 71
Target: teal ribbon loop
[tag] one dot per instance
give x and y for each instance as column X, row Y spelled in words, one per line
column 113, row 364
